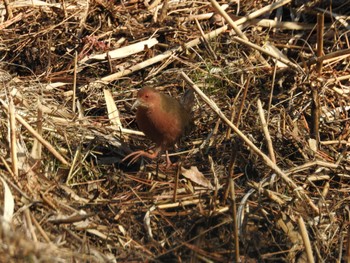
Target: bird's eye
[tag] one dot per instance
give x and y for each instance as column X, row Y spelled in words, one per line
column 146, row 96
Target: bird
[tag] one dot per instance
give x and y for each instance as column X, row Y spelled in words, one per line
column 163, row 119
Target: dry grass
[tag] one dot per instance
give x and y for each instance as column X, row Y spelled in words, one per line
column 273, row 140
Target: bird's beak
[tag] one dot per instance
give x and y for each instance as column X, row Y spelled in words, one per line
column 136, row 104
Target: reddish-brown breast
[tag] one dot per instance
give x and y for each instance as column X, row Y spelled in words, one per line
column 162, row 118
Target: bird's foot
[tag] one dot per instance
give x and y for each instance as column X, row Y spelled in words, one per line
column 166, row 166
column 138, row 154
column 171, row 165
column 168, row 162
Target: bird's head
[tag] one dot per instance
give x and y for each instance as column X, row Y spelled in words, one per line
column 147, row 98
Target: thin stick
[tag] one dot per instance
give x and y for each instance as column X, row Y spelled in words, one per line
column 201, row 16
column 306, row 240
column 18, row 186
column 262, row 50
column 231, row 168
column 246, row 87
column 262, row 11
column 329, row 56
column 234, row 217
column 153, row 4
column 29, row 225
column 228, row 19
column 12, row 114
column 268, row 193
column 75, row 81
column 300, row 193
column 164, row 11
column 37, row 146
column 205, row 41
column 141, row 65
column 320, row 28
column 76, row 159
column 271, row 92
column 13, row 20
column 266, row 132
column 250, row 17
column 63, row 3
column 269, row 23
column 40, row 229
column 38, row 136
column 8, row 9
column 315, row 115
column 122, row 52
column 176, row 183
column 337, row 17
column 347, row 250
column 83, row 17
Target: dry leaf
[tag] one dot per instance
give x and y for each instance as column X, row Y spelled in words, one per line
column 196, row 176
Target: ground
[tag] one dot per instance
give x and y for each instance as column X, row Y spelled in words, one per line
column 263, row 176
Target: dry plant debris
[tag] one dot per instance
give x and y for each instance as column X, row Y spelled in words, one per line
column 263, row 177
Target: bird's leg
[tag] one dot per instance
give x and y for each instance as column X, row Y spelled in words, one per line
column 138, row 154
column 168, row 162
column 157, row 167
column 157, row 150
